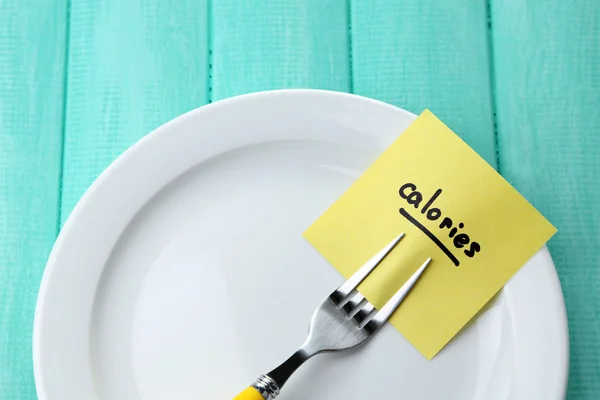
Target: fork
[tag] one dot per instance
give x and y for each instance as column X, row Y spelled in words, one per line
column 344, row 320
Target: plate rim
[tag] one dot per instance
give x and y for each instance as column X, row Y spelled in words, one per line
column 114, row 166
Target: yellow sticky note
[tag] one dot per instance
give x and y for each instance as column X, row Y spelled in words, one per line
column 454, row 208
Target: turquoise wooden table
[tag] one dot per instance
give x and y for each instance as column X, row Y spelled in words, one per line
column 81, row 80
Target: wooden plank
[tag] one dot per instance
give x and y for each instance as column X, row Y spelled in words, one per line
column 32, row 57
column 275, row 44
column 133, row 65
column 547, row 70
column 419, row 54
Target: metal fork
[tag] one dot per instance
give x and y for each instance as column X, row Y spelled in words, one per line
column 345, row 319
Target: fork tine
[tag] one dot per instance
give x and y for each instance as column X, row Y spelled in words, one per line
column 353, row 304
column 388, row 309
column 362, row 316
column 352, row 283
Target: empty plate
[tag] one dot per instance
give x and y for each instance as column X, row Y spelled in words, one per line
column 183, row 274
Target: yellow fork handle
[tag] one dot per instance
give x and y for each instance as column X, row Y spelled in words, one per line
column 249, row 394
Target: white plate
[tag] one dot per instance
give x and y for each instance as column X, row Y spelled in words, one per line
column 182, row 272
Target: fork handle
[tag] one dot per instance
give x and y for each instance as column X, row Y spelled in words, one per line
column 265, row 388
column 249, row 394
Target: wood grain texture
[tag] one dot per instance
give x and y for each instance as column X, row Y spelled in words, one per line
column 133, row 65
column 419, row 54
column 276, row 44
column 547, row 74
column 32, row 43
